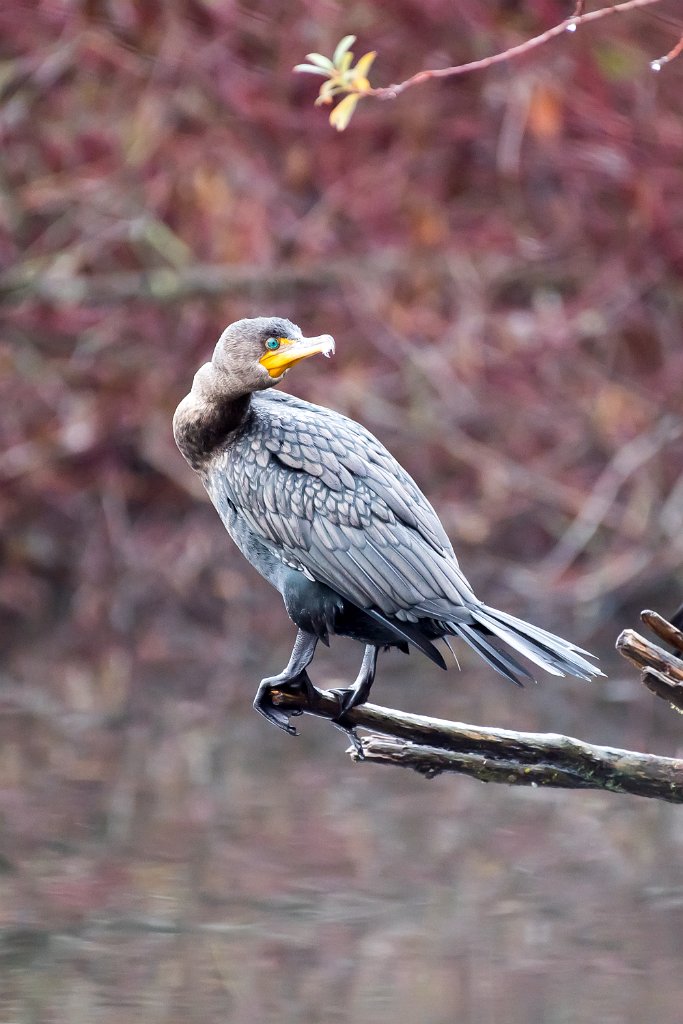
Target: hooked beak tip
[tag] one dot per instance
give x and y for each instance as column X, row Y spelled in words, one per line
column 327, row 345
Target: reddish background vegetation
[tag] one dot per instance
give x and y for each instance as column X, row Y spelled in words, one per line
column 500, row 258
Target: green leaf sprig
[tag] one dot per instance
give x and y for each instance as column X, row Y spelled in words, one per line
column 342, row 79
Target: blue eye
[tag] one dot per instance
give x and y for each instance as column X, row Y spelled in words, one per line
column 272, row 344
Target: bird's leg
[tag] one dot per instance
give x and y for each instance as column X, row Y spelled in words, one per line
column 293, row 677
column 359, row 691
column 349, row 697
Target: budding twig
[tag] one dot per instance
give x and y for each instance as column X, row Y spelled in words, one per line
column 352, row 84
column 579, row 17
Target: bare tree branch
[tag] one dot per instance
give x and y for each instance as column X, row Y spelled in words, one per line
column 390, row 92
column 431, row 746
column 662, row 672
column 662, row 686
column 664, row 629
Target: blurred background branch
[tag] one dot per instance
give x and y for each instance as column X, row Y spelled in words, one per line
column 168, row 284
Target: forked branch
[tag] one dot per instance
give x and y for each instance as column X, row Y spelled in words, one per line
column 662, row 672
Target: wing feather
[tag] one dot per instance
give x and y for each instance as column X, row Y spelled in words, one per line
column 326, row 496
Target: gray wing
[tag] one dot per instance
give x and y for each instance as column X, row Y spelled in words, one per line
column 328, row 498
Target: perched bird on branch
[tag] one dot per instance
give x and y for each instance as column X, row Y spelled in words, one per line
column 328, row 516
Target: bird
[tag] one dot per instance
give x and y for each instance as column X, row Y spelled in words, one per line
column 325, row 513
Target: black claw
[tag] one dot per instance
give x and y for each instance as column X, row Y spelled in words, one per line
column 274, row 715
column 350, row 732
column 348, row 698
column 339, row 694
column 355, row 739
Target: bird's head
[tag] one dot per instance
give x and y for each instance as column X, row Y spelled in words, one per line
column 257, row 353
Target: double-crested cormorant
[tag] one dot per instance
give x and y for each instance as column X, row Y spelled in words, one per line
column 327, row 515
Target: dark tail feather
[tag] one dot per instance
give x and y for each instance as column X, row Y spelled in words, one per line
column 552, row 653
column 500, row 660
column 410, row 632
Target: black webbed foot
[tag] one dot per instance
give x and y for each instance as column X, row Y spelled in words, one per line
column 299, row 685
column 263, row 701
column 294, row 679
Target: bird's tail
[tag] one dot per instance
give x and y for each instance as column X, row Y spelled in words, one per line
column 552, row 653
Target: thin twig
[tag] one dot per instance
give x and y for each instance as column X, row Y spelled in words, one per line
column 431, row 746
column 568, row 25
column 674, row 52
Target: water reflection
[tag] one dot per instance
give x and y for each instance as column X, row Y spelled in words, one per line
column 244, row 877
column 437, row 954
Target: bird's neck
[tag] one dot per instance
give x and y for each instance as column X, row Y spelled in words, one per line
column 207, row 416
